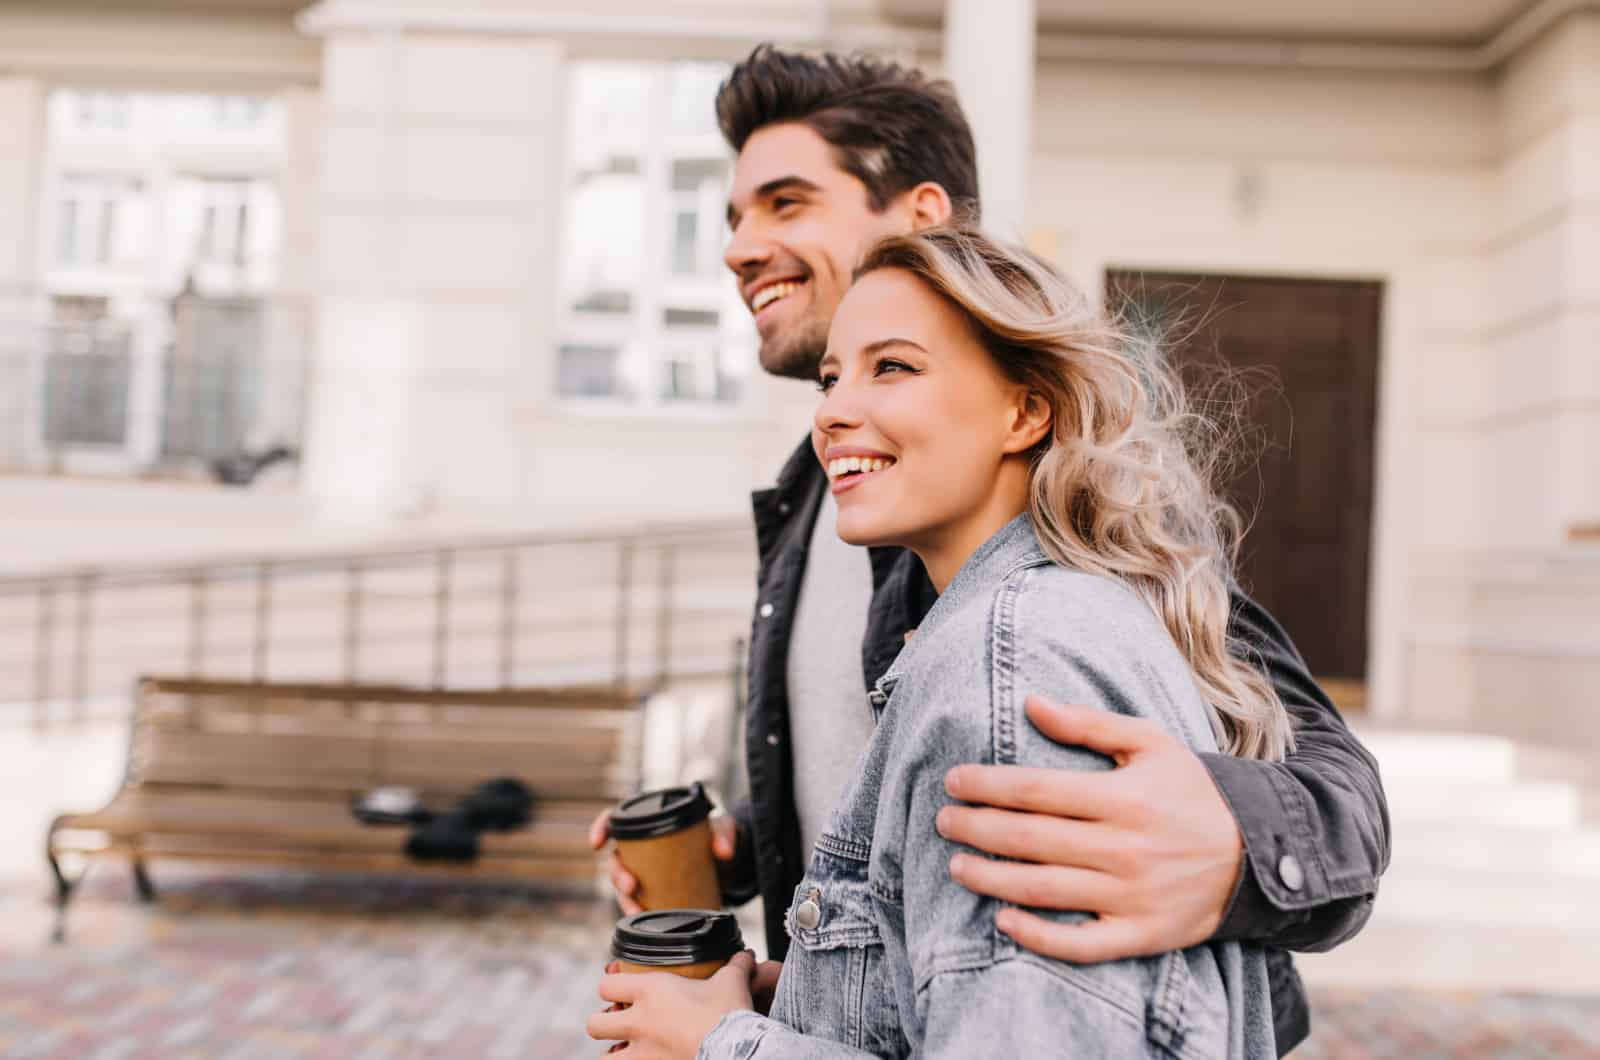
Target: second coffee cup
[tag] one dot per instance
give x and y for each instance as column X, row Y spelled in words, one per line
column 664, row 838
column 693, row 943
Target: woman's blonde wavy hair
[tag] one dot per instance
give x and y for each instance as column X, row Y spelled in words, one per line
column 1122, row 485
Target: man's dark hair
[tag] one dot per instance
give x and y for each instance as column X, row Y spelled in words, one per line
column 890, row 127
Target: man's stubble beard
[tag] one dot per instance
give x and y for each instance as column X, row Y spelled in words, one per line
column 796, row 354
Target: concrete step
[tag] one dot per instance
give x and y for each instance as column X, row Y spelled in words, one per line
column 1490, row 901
column 1468, row 849
column 1417, row 755
column 1398, row 951
column 1535, row 805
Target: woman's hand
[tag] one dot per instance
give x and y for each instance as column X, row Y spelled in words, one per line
column 665, row 1017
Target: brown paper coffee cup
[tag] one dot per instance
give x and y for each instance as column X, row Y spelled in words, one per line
column 693, row 943
column 664, row 839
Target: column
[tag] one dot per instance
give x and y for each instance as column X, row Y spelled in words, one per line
column 436, row 243
column 1542, row 434
column 989, row 56
column 22, row 148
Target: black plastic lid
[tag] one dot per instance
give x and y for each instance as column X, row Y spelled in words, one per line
column 667, row 938
column 658, row 813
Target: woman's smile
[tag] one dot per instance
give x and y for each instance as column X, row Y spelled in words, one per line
column 848, row 466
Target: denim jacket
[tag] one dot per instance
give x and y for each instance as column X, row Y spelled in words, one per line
column 889, row 956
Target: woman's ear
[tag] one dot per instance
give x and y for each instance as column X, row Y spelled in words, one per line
column 1030, row 422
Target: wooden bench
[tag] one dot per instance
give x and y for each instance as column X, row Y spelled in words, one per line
column 245, row 772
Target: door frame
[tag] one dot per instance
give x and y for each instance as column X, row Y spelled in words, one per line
column 1396, row 461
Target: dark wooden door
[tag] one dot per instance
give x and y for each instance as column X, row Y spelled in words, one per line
column 1309, row 351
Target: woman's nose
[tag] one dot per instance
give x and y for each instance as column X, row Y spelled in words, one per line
column 838, row 410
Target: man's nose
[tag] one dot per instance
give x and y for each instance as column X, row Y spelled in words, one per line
column 747, row 251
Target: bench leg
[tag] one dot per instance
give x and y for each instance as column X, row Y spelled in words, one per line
column 141, row 881
column 64, row 889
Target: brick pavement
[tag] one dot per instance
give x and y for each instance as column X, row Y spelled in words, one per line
column 295, row 967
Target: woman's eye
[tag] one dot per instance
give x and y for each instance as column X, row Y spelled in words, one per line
column 887, row 365
column 825, row 384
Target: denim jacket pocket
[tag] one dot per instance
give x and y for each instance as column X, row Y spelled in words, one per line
column 834, row 982
column 1187, row 1012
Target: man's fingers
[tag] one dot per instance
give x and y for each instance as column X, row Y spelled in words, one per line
column 1114, row 735
column 1086, row 942
column 1040, row 886
column 626, row 885
column 625, row 882
column 724, row 837
column 1026, row 836
column 600, row 830
column 1057, row 792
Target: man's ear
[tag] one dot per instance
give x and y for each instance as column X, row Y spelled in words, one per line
column 1030, row 423
column 930, row 205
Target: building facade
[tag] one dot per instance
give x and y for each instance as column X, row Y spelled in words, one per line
column 502, row 218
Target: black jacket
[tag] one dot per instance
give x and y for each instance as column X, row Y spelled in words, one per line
column 1315, row 826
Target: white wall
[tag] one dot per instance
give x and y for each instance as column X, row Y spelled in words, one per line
column 1475, row 199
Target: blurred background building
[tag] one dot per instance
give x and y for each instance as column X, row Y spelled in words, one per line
column 438, row 288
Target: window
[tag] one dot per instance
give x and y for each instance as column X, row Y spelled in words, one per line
column 649, row 316
column 98, row 221
column 221, row 213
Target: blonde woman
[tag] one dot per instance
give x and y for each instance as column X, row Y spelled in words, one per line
column 977, row 412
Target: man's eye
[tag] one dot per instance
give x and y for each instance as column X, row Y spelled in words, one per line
column 783, row 203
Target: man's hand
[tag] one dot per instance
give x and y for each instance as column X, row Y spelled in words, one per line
column 724, row 837
column 1150, row 847
column 662, row 1016
column 764, row 985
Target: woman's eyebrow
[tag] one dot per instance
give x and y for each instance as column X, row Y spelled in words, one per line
column 882, row 344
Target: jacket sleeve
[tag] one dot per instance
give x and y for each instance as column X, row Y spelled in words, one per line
column 1315, row 826
column 1016, row 1007
column 737, row 878
column 744, row 1035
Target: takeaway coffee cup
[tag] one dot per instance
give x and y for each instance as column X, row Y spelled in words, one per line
column 664, row 838
column 693, row 943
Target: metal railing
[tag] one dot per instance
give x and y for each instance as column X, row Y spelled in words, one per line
column 643, row 607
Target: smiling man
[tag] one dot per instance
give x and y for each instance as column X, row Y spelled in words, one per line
column 1169, row 849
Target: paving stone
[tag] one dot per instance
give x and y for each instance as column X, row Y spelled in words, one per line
column 303, row 967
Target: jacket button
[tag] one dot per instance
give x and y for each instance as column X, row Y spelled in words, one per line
column 783, row 508
column 772, row 739
column 808, row 914
column 1290, row 872
column 765, row 611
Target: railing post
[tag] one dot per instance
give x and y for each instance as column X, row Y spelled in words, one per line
column 352, row 621
column 44, row 623
column 441, row 617
column 258, row 655
column 624, row 589
column 508, row 618
column 81, row 645
column 669, row 556
column 197, row 623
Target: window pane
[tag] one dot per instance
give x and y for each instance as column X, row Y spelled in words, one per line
column 688, row 174
column 685, row 229
column 693, row 90
column 107, row 232
column 690, row 318
column 67, row 232
column 589, row 371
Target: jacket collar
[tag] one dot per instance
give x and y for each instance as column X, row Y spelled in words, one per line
column 1013, row 546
